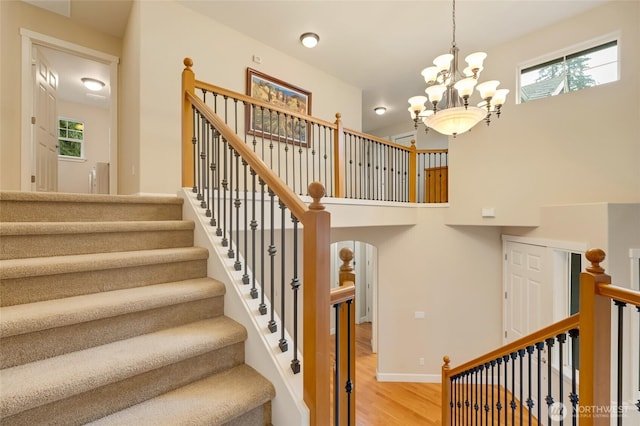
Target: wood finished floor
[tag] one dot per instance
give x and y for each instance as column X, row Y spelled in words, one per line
column 390, row 403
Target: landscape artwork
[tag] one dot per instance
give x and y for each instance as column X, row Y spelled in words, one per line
column 284, row 127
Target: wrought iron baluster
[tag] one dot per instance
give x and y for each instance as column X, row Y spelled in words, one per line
column 204, row 203
column 506, row 382
column 194, row 143
column 475, row 393
column 225, row 185
column 229, row 194
column 254, row 226
column 498, row 405
column 530, row 404
column 349, row 385
column 245, row 276
column 539, row 348
column 574, row 334
column 213, row 140
column 336, row 379
column 521, row 354
column 514, row 355
column 486, row 393
column 481, row 385
column 282, row 343
column 295, row 286
column 218, row 170
column 262, row 308
column 273, row 327
column 237, row 265
column 562, row 338
column 467, row 393
column 549, row 398
column 619, row 367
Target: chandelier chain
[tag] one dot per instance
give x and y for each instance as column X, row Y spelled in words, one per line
column 454, row 22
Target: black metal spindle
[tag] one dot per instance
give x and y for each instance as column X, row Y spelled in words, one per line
column 539, row 348
column 218, row 171
column 498, row 405
column 273, row 327
column 349, row 385
column 295, row 286
column 263, row 306
column 475, row 393
column 619, row 367
column 530, row 404
column 245, row 276
column 237, row 265
column 573, row 396
column 506, row 384
column 486, row 393
column 549, row 397
column 229, row 194
column 521, row 354
column 562, row 338
column 254, row 226
column 467, row 394
column 194, row 143
column 212, row 169
column 282, row 344
column 225, row 185
column 514, row 355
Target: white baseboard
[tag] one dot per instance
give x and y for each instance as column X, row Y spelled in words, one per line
column 403, row 377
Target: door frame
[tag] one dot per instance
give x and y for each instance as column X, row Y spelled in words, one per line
column 27, row 154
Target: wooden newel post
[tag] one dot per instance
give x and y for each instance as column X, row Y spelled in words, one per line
column 446, row 392
column 317, row 269
column 188, row 86
column 595, row 344
column 347, row 340
column 338, row 166
column 413, row 169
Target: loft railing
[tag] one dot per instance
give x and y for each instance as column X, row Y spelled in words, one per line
column 559, row 374
column 301, row 149
column 258, row 217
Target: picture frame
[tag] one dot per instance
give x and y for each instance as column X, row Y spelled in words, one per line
column 282, row 95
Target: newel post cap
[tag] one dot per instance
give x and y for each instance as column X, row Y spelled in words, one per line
column 595, row 256
column 188, row 62
column 316, row 191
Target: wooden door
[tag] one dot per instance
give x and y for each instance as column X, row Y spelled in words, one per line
column 45, row 120
column 436, row 185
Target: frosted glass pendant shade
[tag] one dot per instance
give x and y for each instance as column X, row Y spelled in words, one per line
column 475, row 60
column 465, row 86
column 430, row 74
column 435, row 92
column 488, row 88
column 454, row 121
column 443, row 62
column 500, row 97
column 417, row 103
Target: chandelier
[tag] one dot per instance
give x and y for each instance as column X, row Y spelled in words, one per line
column 448, row 92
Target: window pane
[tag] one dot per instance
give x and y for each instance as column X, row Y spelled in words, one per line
column 62, row 133
column 70, row 149
column 74, row 134
column 544, row 80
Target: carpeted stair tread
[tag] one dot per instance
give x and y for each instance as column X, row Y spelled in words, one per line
column 88, row 198
column 28, row 318
column 214, row 400
column 29, row 267
column 48, row 228
column 74, row 373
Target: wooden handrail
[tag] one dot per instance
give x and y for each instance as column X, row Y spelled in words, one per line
column 342, row 294
column 281, row 189
column 618, row 293
column 544, row 333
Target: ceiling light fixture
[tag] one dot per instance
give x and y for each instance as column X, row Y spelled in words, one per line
column 309, row 40
column 449, row 91
column 380, row 110
column 92, row 83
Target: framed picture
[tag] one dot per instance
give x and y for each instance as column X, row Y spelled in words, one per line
column 272, row 126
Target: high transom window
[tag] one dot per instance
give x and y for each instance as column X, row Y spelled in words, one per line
column 71, row 138
column 586, row 68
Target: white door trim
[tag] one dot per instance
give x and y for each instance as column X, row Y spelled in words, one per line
column 29, row 38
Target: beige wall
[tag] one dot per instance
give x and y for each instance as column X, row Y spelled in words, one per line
column 432, row 267
column 160, row 36
column 575, row 148
column 73, row 175
column 15, row 15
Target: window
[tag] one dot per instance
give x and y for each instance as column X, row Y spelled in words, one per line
column 586, row 68
column 71, row 138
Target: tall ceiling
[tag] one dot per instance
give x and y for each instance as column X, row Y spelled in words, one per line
column 378, row 46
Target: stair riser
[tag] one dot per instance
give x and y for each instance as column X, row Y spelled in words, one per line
column 24, row 348
column 46, row 287
column 258, row 416
column 45, row 211
column 26, row 246
column 79, row 409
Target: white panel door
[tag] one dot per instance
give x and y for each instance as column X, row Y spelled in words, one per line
column 46, row 129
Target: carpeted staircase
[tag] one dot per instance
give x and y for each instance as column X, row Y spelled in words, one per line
column 107, row 317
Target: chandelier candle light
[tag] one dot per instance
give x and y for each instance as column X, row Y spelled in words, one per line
column 448, row 93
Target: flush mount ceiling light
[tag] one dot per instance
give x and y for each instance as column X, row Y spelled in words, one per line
column 309, row 40
column 380, row 110
column 92, row 83
column 448, row 92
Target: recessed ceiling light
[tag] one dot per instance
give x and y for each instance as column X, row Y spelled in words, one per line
column 380, row 110
column 92, row 84
column 309, row 40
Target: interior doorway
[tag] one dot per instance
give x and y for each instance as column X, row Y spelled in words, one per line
column 84, row 60
column 366, row 272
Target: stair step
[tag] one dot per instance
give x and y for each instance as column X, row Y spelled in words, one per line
column 37, row 239
column 35, row 331
column 72, row 374
column 60, row 207
column 213, row 401
column 37, row 279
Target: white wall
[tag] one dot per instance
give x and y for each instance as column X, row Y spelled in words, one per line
column 162, row 34
column 580, row 147
column 73, row 175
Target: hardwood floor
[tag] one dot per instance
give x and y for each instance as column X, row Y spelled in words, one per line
column 389, row 403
